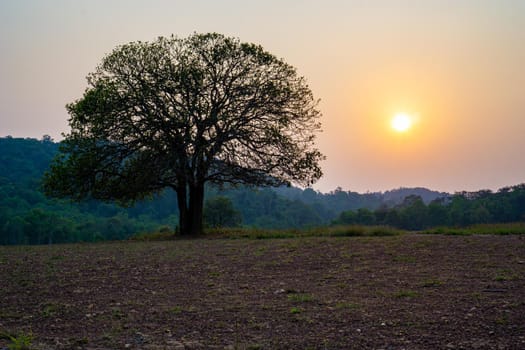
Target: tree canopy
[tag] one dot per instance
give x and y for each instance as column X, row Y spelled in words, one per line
column 178, row 113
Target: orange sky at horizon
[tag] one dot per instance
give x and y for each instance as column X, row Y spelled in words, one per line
column 456, row 67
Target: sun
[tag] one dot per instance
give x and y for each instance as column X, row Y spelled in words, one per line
column 401, row 122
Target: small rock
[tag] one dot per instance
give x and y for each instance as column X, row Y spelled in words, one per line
column 139, row 338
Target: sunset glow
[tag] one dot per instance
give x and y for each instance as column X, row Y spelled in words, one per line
column 408, row 90
column 401, row 122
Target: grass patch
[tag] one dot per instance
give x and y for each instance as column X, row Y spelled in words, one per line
column 347, row 306
column 517, row 228
column 296, row 310
column 501, row 320
column 50, row 310
column 505, row 275
column 117, row 313
column 254, row 347
column 431, row 283
column 214, row 274
column 162, row 234
column 249, row 233
column 406, row 294
column 176, row 310
column 165, row 233
column 21, row 341
column 358, row 231
column 300, row 298
column 326, row 231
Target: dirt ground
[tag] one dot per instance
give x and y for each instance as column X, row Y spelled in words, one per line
column 405, row 292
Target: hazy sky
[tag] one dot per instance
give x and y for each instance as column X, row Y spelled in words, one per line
column 457, row 67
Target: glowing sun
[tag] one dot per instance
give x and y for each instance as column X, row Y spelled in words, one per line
column 401, row 122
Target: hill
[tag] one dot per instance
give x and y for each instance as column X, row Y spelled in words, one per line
column 395, row 197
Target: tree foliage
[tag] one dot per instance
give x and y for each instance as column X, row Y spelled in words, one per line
column 461, row 209
column 220, row 212
column 179, row 113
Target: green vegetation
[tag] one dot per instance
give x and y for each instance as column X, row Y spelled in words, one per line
column 296, row 310
column 468, row 212
column 220, row 212
column 431, row 283
column 176, row 310
column 406, row 294
column 325, row 231
column 49, row 310
column 21, row 341
column 347, row 305
column 516, row 228
column 28, row 217
column 505, row 275
column 162, row 234
column 300, row 297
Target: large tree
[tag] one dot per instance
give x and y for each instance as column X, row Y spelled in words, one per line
column 180, row 112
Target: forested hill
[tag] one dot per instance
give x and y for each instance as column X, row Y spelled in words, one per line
column 23, row 160
column 27, row 216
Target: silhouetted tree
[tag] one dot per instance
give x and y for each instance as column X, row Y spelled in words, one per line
column 178, row 113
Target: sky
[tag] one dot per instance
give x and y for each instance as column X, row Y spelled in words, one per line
column 455, row 67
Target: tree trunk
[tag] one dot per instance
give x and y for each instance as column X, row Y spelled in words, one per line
column 182, row 201
column 190, row 211
column 196, row 208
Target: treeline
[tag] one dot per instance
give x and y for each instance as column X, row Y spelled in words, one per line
column 29, row 217
column 461, row 209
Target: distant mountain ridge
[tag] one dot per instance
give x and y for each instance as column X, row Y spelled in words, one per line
column 394, row 197
column 370, row 200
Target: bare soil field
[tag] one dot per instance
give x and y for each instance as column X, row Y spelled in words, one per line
column 405, row 292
